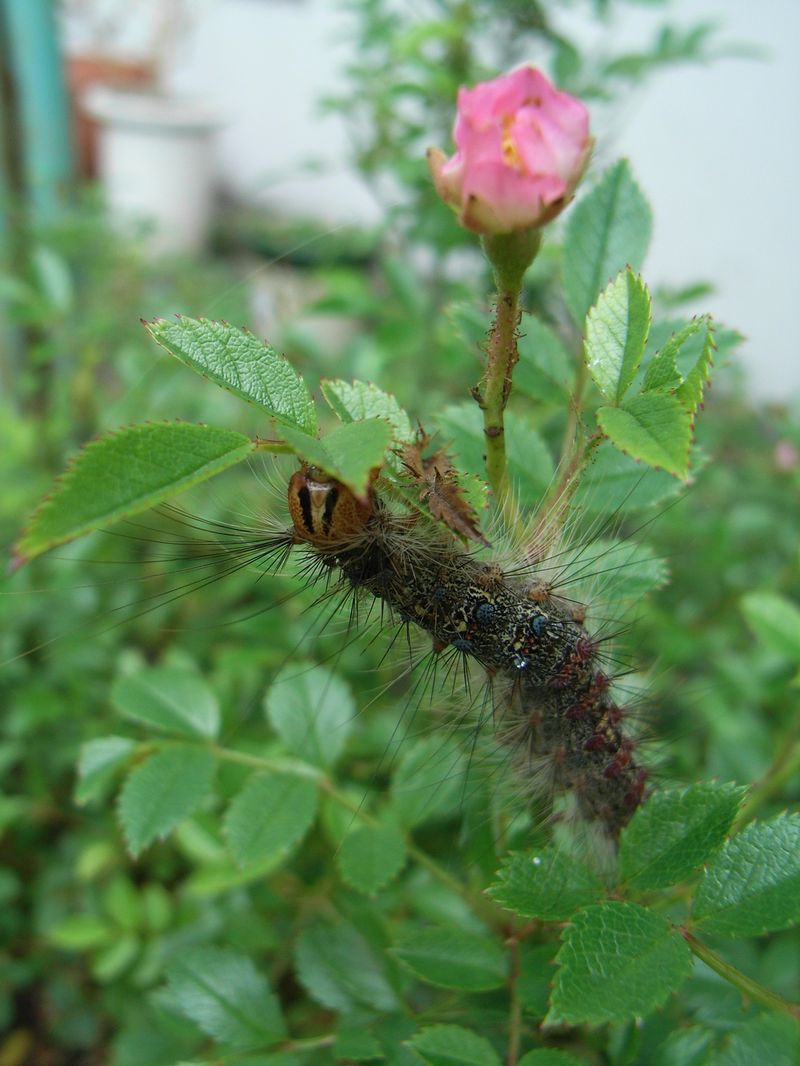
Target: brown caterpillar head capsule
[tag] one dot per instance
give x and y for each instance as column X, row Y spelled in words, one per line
column 323, row 510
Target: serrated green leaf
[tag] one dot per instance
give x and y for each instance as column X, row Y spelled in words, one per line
column 169, row 699
column 99, row 762
column 238, row 361
column 339, row 970
column 548, row 884
column 452, row 1045
column 271, row 814
column 619, row 570
column 652, row 427
column 617, row 961
column 371, row 856
column 163, row 791
column 356, row 401
column 674, row 832
column 616, row 334
column 768, row 1038
column 615, row 484
column 685, row 1047
column 127, row 472
column 530, row 464
column 223, row 993
column 606, row 231
column 753, row 884
column 690, row 392
column 662, row 373
column 550, row 1057
column 429, row 781
column 351, row 453
column 80, row 932
column 452, row 958
column 312, row 710
column 536, row 970
column 775, row 621
column 357, row 1045
column 662, row 370
column 545, row 368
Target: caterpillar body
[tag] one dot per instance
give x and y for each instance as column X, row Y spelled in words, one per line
column 551, row 701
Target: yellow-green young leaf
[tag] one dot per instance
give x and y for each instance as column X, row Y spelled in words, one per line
column 616, row 334
column 238, row 361
column 356, row 401
column 271, row 814
column 99, row 762
column 223, row 993
column 607, row 230
column 452, row 1045
column 351, row 453
column 80, row 932
column 113, row 961
column 617, row 961
column 162, row 791
column 127, row 472
column 371, row 856
column 550, row 1057
column 339, row 969
column 775, row 621
column 169, row 699
column 753, row 884
column 674, row 832
column 453, row 958
column 652, row 427
column 313, row 711
column 549, row 884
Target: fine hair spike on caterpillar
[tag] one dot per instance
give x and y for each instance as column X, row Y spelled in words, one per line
column 552, row 703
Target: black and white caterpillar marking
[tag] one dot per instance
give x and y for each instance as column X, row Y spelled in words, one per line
column 552, row 702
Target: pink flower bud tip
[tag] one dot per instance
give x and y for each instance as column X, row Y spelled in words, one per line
column 522, row 147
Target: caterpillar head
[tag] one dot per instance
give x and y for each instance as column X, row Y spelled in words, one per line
column 324, row 512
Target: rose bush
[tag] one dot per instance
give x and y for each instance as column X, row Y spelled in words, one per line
column 522, row 147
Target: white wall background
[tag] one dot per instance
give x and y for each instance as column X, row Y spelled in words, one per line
column 716, row 149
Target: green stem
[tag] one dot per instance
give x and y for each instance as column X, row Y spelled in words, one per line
column 515, row 1010
column 746, row 985
column 300, row 769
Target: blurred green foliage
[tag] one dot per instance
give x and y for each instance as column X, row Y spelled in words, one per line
column 99, row 954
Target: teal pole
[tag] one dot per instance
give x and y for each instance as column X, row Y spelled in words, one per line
column 42, row 119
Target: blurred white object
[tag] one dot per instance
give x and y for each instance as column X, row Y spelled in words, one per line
column 156, row 163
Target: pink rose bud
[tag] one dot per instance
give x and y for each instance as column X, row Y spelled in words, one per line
column 522, row 149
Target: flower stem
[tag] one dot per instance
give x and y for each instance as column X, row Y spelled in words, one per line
column 510, row 255
column 746, row 985
column 502, row 355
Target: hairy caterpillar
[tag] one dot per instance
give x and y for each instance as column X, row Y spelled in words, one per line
column 551, row 700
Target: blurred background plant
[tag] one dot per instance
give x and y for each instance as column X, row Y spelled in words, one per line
column 88, row 934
